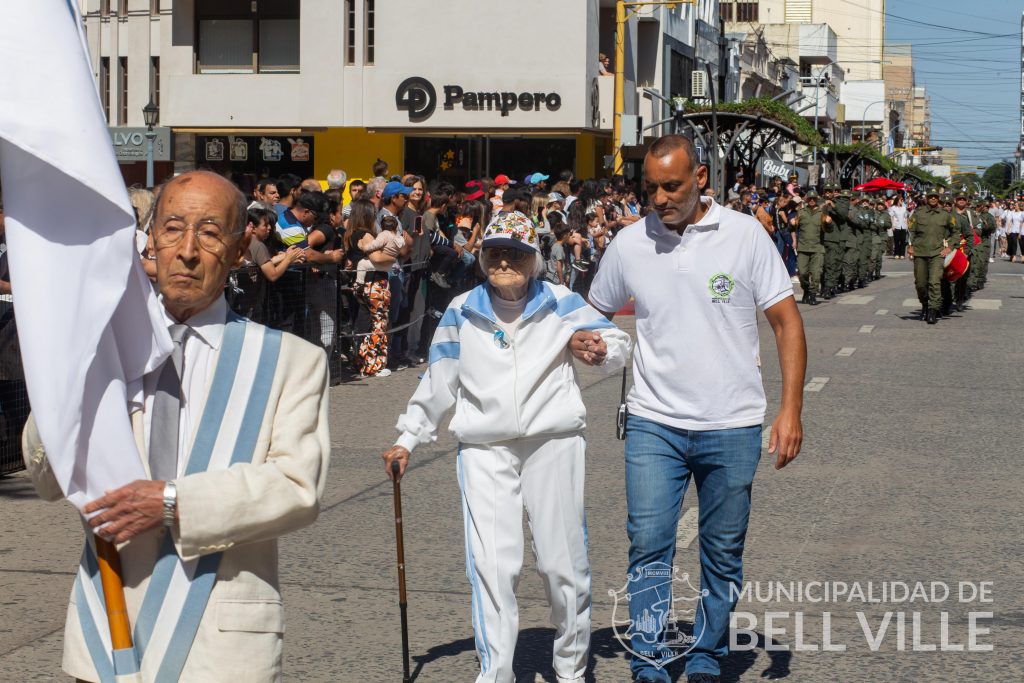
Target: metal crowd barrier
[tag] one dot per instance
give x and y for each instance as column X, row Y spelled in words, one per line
column 315, row 302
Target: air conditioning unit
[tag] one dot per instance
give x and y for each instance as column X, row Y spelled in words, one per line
column 699, row 85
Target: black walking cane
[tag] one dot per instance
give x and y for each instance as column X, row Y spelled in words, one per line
column 401, row 573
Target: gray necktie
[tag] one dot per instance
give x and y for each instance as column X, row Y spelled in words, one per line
column 163, row 430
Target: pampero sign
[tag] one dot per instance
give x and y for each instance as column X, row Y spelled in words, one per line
column 418, row 97
column 130, row 143
column 770, row 168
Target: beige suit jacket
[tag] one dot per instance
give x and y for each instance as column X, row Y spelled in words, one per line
column 241, row 512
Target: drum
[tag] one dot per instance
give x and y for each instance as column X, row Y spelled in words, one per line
column 955, row 265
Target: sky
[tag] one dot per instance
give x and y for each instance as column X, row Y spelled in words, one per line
column 968, row 55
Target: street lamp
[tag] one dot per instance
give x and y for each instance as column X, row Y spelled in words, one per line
column 149, row 114
column 621, row 17
column 864, row 117
column 817, row 89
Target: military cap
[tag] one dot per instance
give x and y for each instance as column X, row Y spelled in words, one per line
column 811, row 194
column 932, row 192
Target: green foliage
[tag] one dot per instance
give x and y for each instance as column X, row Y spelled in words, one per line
column 997, row 177
column 923, row 175
column 770, row 109
column 866, row 151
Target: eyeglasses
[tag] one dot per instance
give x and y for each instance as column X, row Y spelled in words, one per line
column 210, row 236
column 496, row 255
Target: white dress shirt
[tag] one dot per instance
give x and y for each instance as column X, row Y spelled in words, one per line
column 202, row 344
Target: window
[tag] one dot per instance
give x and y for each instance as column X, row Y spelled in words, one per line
column 154, row 81
column 154, row 8
column 368, row 4
column 122, row 8
column 122, row 89
column 104, row 8
column 725, row 11
column 247, row 36
column 104, row 86
column 350, row 31
column 746, row 11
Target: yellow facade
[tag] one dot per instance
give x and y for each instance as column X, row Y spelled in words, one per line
column 354, row 150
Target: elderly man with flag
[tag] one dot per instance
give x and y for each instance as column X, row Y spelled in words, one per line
column 189, row 438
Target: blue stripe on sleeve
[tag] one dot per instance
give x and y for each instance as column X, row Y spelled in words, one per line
column 452, row 318
column 443, row 350
column 568, row 304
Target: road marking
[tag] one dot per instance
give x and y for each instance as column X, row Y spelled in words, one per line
column 882, row 311
column 866, row 329
column 856, row 299
column 846, row 351
column 688, row 528
column 911, row 303
column 816, row 384
column 900, row 274
column 986, row 304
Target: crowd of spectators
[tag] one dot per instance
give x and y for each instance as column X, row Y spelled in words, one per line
column 365, row 268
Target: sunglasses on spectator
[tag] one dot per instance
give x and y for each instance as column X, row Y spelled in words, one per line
column 507, row 254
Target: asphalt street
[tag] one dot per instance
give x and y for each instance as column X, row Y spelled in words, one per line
column 909, row 473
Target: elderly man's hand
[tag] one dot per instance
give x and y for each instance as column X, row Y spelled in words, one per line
column 588, row 347
column 126, row 512
column 397, row 454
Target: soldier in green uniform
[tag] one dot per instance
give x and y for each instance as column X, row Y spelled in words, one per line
column 835, row 240
column 862, row 217
column 988, row 230
column 851, row 248
column 882, row 221
column 930, row 229
column 972, row 248
column 808, row 240
column 954, row 294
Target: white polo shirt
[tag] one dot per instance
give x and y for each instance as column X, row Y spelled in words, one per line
column 696, row 364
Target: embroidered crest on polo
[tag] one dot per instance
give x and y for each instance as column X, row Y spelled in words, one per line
column 721, row 285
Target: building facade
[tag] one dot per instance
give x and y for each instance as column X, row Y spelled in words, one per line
column 459, row 90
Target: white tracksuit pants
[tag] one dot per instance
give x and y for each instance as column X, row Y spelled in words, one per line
column 546, row 476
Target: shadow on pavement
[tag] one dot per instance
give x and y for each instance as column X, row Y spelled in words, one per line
column 533, row 657
column 16, row 487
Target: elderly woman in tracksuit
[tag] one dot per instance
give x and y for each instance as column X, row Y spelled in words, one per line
column 501, row 357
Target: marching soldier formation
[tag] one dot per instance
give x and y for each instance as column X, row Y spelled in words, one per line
column 841, row 240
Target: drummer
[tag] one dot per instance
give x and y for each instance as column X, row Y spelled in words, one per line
column 931, row 228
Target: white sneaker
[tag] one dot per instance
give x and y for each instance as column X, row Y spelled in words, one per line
column 439, row 280
column 795, row 279
column 383, row 373
column 991, row 260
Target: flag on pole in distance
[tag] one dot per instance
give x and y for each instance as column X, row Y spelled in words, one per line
column 88, row 319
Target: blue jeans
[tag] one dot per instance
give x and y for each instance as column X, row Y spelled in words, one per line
column 659, row 463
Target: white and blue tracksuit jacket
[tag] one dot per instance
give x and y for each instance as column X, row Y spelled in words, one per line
column 501, row 388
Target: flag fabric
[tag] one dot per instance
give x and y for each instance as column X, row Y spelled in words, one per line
column 89, row 321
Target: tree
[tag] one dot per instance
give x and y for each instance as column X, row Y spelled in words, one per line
column 997, row 177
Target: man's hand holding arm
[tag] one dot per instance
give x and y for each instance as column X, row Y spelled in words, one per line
column 787, row 432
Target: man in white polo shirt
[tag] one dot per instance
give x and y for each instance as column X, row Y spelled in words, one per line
column 698, row 273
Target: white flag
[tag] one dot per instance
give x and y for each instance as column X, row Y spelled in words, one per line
column 88, row 319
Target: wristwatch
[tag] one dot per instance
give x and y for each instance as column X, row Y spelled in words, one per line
column 170, row 503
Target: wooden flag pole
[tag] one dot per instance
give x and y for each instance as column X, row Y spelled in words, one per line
column 113, row 595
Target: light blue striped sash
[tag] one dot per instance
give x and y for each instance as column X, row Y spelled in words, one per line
column 172, row 660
